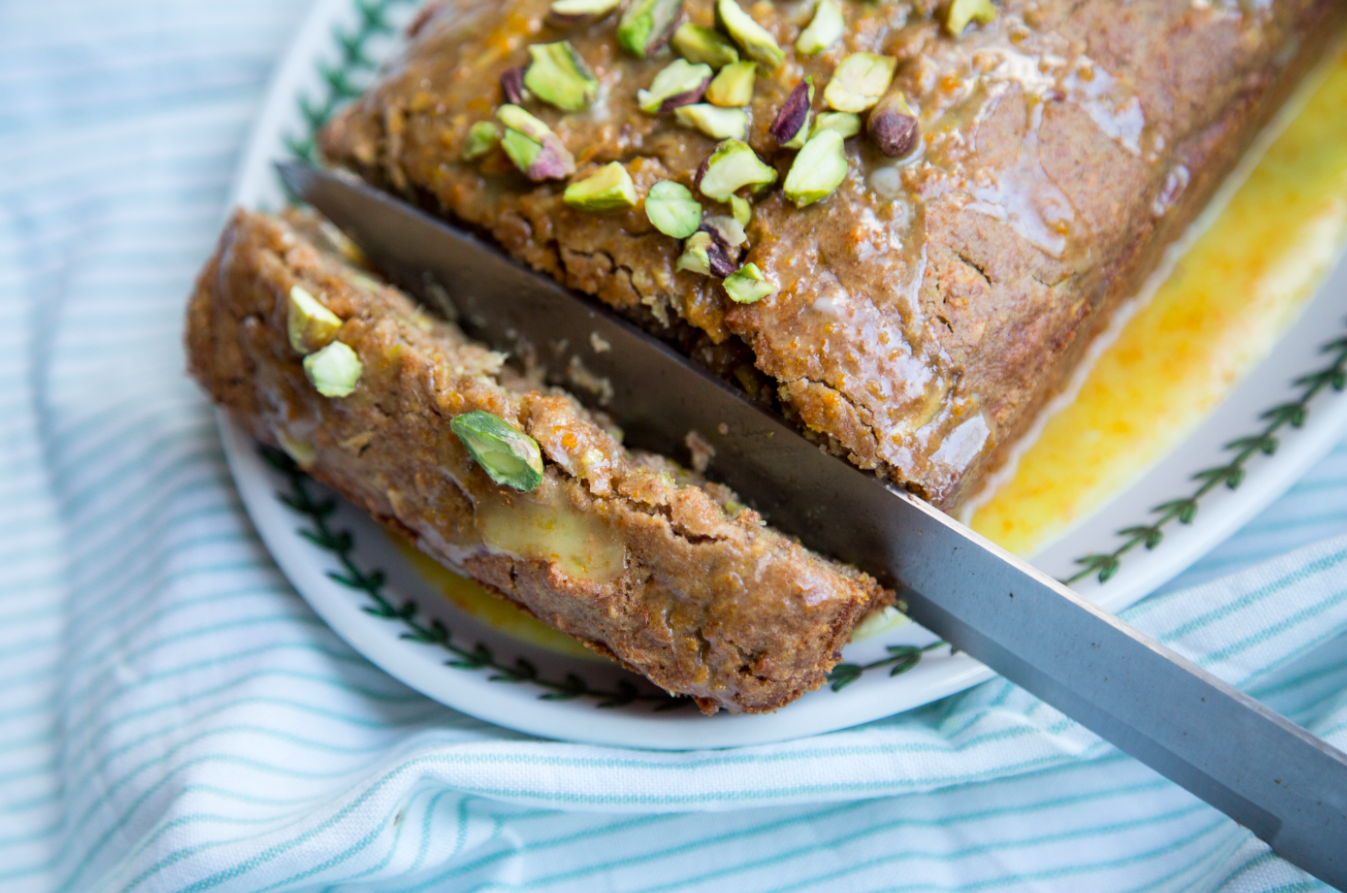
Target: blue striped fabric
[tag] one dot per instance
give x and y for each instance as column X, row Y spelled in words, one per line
column 173, row 717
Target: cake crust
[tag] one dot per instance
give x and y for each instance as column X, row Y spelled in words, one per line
column 639, row 559
column 927, row 310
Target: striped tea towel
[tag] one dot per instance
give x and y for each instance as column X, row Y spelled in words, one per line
column 174, row 718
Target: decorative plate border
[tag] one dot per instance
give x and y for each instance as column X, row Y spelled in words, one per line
column 363, row 30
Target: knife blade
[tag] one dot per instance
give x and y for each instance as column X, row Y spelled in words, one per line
column 1278, row 780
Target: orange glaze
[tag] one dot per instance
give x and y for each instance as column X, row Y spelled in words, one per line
column 1228, row 299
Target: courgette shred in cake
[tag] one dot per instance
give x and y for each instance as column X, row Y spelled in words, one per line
column 634, row 556
column 934, row 227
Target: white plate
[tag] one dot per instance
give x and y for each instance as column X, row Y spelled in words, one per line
column 399, row 621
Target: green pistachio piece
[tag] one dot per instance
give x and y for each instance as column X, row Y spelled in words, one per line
column 859, row 82
column 747, row 285
column 532, row 145
column 846, row 123
column 482, row 138
column 696, row 256
column 509, row 456
column 719, row 124
column 608, row 190
column 644, row 27
column 334, row 370
column 726, row 230
column 826, row 28
column 961, row 12
column 309, row 324
column 679, row 83
column 733, row 87
column 740, row 210
column 559, row 76
column 696, row 43
column 575, row 13
column 730, row 167
column 756, row 41
column 672, row 209
column 818, row 169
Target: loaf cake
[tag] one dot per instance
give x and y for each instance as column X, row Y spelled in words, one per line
column 637, row 558
column 1009, row 173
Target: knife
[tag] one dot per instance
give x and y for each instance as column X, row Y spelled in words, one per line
column 1278, row 780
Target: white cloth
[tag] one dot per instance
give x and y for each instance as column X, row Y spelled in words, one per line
column 173, row 717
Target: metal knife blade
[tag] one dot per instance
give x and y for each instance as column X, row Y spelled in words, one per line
column 1281, row 782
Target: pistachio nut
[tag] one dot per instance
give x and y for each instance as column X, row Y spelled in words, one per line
column 727, row 231
column 791, row 126
column 961, row 12
column 893, row 125
column 733, row 87
column 702, row 255
column 719, row 124
column 696, row 43
column 532, row 146
column 859, row 81
column 740, row 210
column 578, row 13
column 846, row 123
column 509, row 456
column 309, row 324
column 818, row 169
column 825, row 29
column 482, row 138
column 609, row 189
column 672, row 209
column 647, row 25
column 730, row 167
column 748, row 285
column 679, row 83
column 334, row 371
column 756, row 41
column 559, row 76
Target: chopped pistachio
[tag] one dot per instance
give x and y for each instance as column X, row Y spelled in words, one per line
column 679, row 83
column 672, row 209
column 859, row 82
column 646, row 25
column 609, row 189
column 740, row 210
column 725, row 230
column 893, row 125
column 309, row 324
column 961, row 12
column 791, row 126
column 559, row 76
column 508, row 456
column 702, row 255
column 512, row 85
column 575, row 13
column 846, row 123
column 334, row 370
column 747, row 285
column 826, row 28
column 733, row 87
column 532, row 145
column 731, row 166
column 696, row 43
column 756, row 41
column 818, row 170
column 302, row 452
column 482, row 138
column 719, row 124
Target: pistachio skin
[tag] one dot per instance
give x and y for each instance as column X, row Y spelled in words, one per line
column 793, row 118
column 512, row 85
column 533, row 147
column 893, row 125
column 680, row 83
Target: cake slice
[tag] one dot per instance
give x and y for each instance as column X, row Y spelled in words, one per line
column 629, row 553
column 1008, row 174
